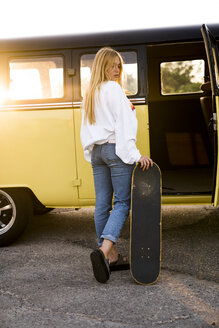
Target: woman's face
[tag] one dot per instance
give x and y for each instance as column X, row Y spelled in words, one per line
column 114, row 70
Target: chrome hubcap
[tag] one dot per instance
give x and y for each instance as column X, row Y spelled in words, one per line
column 7, row 212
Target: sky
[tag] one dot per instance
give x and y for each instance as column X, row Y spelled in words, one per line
column 27, row 18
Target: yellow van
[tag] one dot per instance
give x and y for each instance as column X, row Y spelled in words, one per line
column 170, row 75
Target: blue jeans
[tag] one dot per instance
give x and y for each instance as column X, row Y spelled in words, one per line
column 111, row 175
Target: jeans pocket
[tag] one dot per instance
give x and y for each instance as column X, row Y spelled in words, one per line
column 109, row 154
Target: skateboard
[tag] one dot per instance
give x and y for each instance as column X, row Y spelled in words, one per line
column 145, row 225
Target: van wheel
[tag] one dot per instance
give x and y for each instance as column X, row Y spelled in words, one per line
column 15, row 210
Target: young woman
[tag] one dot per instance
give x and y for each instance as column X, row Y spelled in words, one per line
column 108, row 136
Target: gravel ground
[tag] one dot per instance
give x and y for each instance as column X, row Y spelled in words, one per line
column 47, row 280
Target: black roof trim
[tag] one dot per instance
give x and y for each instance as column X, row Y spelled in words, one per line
column 147, row 36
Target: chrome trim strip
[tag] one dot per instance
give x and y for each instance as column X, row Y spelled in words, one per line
column 75, row 104
column 138, row 100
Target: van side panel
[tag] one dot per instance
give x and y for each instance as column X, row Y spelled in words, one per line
column 38, row 151
column 143, row 143
column 85, row 174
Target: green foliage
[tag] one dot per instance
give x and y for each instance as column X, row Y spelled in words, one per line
column 178, row 77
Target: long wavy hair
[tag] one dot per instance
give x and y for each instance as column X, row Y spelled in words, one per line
column 102, row 62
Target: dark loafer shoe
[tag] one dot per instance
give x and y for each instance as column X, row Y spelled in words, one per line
column 100, row 266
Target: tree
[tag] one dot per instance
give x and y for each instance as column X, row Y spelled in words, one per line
column 178, row 77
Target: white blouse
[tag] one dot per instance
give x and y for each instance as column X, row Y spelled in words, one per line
column 115, row 120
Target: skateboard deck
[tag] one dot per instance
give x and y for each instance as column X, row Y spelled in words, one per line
column 145, row 225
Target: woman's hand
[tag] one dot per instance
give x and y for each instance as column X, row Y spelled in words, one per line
column 145, row 162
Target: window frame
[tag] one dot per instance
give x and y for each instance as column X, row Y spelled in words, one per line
column 121, row 53
column 165, row 52
column 140, row 51
column 26, row 59
column 67, row 82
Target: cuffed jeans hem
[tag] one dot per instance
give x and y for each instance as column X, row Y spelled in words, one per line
column 109, row 237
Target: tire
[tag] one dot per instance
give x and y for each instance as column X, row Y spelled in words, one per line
column 15, row 211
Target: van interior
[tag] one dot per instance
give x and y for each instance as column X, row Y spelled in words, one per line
column 181, row 140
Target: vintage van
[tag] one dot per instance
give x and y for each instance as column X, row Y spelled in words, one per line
column 170, row 75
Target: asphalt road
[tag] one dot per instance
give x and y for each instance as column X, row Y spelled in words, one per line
column 47, row 281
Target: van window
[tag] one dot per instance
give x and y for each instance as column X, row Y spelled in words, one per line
column 180, row 77
column 130, row 72
column 36, row 78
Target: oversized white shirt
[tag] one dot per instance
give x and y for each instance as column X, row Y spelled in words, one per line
column 115, row 120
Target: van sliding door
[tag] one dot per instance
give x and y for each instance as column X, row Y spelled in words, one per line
column 213, row 63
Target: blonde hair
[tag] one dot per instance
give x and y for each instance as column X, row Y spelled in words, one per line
column 102, row 62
